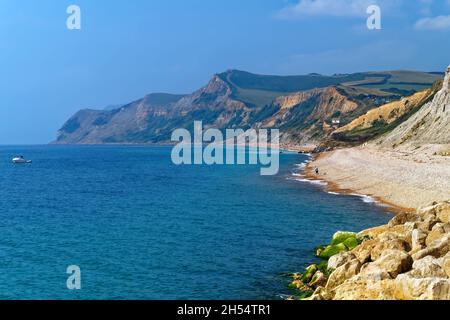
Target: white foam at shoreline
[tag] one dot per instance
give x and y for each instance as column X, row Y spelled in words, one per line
column 316, row 182
column 298, row 175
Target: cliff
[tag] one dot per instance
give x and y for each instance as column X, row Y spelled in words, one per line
column 302, row 107
column 429, row 126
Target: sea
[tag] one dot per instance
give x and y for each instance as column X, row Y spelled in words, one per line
column 139, row 227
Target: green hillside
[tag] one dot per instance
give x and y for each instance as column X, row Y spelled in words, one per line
column 260, row 90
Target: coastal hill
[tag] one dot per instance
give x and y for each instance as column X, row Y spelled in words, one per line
column 306, row 108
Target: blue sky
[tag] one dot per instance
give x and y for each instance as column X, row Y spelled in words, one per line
column 127, row 49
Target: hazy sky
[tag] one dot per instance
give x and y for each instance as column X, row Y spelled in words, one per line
column 127, row 49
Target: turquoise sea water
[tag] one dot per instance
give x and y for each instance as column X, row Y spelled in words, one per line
column 140, row 227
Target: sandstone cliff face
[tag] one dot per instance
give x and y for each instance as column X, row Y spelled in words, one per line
column 145, row 121
column 430, row 125
column 302, row 116
column 387, row 113
column 308, row 115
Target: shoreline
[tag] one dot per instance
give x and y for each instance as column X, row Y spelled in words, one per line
column 405, row 180
column 329, row 186
column 333, row 187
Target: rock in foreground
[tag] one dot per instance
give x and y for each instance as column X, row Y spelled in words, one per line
column 408, row 259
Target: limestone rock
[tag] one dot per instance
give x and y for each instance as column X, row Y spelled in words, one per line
column 409, row 288
column 446, row 264
column 418, row 239
column 319, row 280
column 363, row 251
column 403, row 218
column 321, row 294
column 443, row 212
column 341, row 237
column 344, row 272
column 437, row 232
column 331, row 250
column 437, row 249
column 374, row 232
column 428, row 223
column 428, row 267
column 395, row 244
column 340, row 259
column 394, row 262
column 359, row 288
column 374, row 272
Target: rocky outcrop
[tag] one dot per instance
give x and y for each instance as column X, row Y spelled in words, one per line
column 407, row 259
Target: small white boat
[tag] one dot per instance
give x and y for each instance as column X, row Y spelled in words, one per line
column 20, row 160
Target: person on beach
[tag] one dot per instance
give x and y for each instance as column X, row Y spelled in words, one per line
column 317, row 170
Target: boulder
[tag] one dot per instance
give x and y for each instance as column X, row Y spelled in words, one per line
column 403, row 218
column 394, row 262
column 428, row 267
column 446, row 264
column 373, row 232
column 409, row 288
column 437, row 232
column 351, row 243
column 358, row 288
column 309, row 274
column 364, row 250
column 403, row 231
column 340, row 259
column 341, row 237
column 320, row 294
column 343, row 273
column 374, row 272
column 418, row 238
column 332, row 250
column 427, row 224
column 443, row 212
column 383, row 246
column 319, row 280
column 437, row 249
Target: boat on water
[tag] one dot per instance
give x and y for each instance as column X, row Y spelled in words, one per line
column 20, row 160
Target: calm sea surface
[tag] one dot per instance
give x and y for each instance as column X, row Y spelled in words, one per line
column 140, row 227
